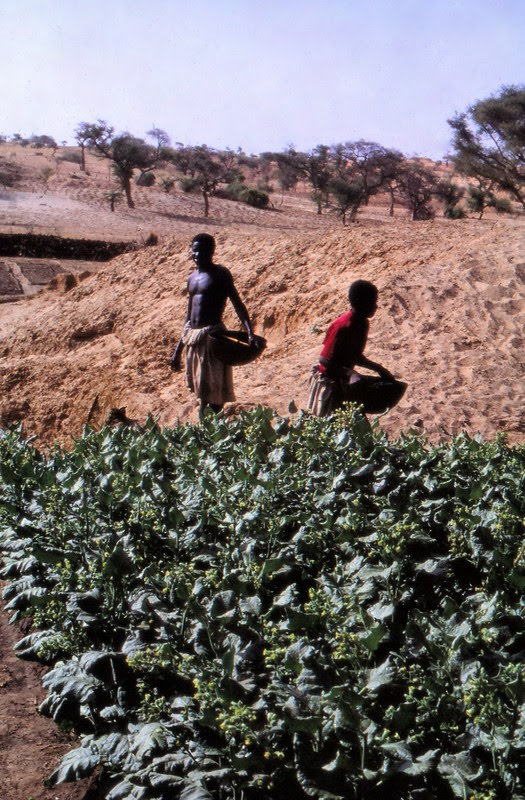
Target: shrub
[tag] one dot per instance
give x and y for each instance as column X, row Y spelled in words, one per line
column 231, row 191
column 501, row 205
column 189, row 185
column 255, row 197
column 113, row 197
column 241, row 193
column 70, row 155
column 454, row 212
column 167, row 184
column 146, row 179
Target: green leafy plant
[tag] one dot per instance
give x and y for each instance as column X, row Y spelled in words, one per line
column 261, row 608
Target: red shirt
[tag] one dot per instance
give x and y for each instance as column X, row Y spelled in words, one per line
column 345, row 340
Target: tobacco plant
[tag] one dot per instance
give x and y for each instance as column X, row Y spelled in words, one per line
column 264, row 608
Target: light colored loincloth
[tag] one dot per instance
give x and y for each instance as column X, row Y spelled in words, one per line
column 325, row 394
column 208, row 378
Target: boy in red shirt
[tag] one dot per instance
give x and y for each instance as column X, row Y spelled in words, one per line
column 342, row 350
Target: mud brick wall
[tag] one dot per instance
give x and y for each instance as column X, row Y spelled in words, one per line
column 31, row 245
column 9, row 285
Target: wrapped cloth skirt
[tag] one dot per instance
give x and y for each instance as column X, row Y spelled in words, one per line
column 208, row 378
column 376, row 395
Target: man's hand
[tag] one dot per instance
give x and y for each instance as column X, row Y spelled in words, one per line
column 256, row 341
column 385, row 374
column 175, row 362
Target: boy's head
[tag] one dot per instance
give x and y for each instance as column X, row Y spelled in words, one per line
column 362, row 296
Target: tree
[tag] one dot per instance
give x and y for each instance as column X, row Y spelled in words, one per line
column 127, row 152
column 348, row 196
column 368, row 166
column 489, row 141
column 287, row 172
column 372, row 162
column 206, row 169
column 87, row 133
column 313, row 167
column 451, row 194
column 161, row 139
column 114, row 196
column 481, row 197
column 43, row 141
column 417, row 186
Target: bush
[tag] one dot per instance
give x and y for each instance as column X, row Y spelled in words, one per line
column 189, row 185
column 70, row 155
column 167, row 184
column 454, row 212
column 241, row 193
column 501, row 205
column 231, row 191
column 146, row 179
column 255, row 197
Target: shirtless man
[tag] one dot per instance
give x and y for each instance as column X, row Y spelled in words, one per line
column 209, row 288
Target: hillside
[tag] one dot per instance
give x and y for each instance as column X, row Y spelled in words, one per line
column 450, row 323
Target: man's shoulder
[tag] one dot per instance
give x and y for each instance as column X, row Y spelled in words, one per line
column 223, row 270
column 216, row 271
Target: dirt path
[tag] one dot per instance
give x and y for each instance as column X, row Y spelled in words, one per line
column 30, row 745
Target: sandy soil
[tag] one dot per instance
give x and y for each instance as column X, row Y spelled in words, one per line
column 450, row 323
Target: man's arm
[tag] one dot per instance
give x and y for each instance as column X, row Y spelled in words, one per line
column 175, row 360
column 241, row 310
column 363, row 361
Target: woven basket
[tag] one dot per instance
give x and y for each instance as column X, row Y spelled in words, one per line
column 233, row 348
column 376, row 395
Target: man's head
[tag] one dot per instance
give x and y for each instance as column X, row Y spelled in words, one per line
column 202, row 248
column 362, row 296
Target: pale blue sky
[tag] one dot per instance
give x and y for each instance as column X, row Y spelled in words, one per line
column 260, row 74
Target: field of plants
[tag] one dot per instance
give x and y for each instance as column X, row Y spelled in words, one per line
column 262, row 608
